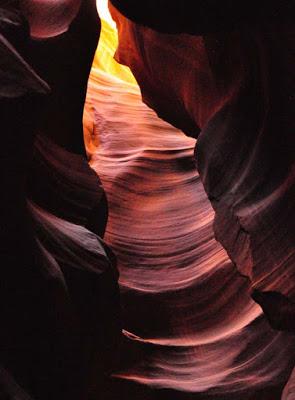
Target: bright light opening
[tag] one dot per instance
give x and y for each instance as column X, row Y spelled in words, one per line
column 108, row 42
column 103, row 10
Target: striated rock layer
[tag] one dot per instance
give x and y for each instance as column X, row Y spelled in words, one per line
column 187, row 309
column 192, row 330
column 232, row 90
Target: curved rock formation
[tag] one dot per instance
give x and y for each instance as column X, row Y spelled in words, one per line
column 236, row 87
column 233, row 91
column 192, row 330
column 59, row 313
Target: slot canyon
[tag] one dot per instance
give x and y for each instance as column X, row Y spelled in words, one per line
column 147, row 208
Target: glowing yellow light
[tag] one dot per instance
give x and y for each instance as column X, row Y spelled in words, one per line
column 107, row 46
column 103, row 10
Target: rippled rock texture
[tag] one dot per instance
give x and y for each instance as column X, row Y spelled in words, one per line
column 236, row 87
column 189, row 272
column 187, row 300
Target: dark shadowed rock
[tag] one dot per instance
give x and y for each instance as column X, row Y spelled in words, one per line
column 203, row 16
column 60, row 323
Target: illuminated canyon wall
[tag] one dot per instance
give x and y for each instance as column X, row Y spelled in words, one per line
column 187, row 226
column 184, row 302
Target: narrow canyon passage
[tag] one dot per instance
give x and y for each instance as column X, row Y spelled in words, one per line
column 137, row 262
column 184, row 305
